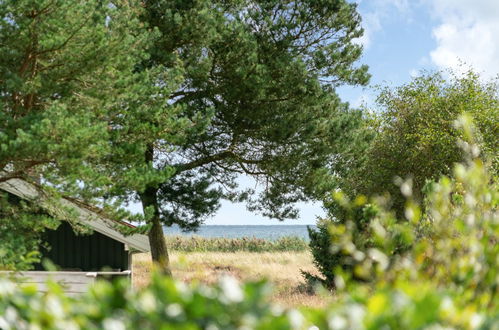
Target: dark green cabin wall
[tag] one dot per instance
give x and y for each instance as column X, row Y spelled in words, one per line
column 94, row 252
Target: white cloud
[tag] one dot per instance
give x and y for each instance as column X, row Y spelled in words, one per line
column 414, row 73
column 402, row 6
column 374, row 12
column 371, row 24
column 468, row 35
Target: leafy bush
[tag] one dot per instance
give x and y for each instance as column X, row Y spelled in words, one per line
column 414, row 135
column 327, row 257
column 249, row 244
column 324, row 260
column 444, row 261
column 165, row 304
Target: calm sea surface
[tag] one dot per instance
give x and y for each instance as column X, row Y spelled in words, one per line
column 271, row 232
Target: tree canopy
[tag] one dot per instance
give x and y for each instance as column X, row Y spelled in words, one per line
column 249, row 88
column 260, row 79
column 167, row 102
column 63, row 65
column 413, row 134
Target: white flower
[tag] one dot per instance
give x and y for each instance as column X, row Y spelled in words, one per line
column 147, row 302
column 476, row 320
column 231, row 289
column 173, row 310
column 295, row 318
column 406, row 188
column 447, row 305
column 276, row 310
column 380, row 257
column 6, row 288
column 337, row 322
column 113, row 324
column 212, row 327
column 54, row 307
column 356, row 315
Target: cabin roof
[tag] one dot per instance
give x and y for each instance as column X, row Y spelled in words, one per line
column 87, row 215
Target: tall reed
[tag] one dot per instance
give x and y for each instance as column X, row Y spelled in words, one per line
column 248, row 244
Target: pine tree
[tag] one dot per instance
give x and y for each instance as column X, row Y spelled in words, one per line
column 64, row 67
column 251, row 91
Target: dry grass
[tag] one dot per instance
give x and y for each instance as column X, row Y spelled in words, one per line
column 282, row 269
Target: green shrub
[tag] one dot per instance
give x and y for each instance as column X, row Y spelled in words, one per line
column 324, row 259
column 330, row 243
column 165, row 304
column 446, row 255
column 414, row 135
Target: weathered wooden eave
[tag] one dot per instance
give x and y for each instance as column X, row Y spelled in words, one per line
column 27, row 191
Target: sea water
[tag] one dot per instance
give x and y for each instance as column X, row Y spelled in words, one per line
column 271, row 232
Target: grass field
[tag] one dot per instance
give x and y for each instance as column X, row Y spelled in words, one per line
column 281, row 269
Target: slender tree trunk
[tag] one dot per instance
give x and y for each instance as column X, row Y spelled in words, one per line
column 149, row 198
column 159, row 251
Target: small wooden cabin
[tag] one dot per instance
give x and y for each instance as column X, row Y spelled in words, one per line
column 75, row 252
column 80, row 258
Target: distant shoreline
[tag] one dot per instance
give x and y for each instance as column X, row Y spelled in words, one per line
column 258, row 225
column 269, row 232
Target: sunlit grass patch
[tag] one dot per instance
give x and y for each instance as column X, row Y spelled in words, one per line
column 281, row 269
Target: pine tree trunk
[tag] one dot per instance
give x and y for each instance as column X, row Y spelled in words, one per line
column 149, row 198
column 159, row 251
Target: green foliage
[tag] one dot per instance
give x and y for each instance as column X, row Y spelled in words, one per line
column 167, row 102
column 63, row 67
column 165, row 304
column 21, row 225
column 324, row 260
column 249, row 244
column 414, row 137
column 439, row 266
column 253, row 94
column 231, row 88
column 331, row 243
column 447, row 276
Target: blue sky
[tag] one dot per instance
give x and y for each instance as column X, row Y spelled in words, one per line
column 401, row 38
